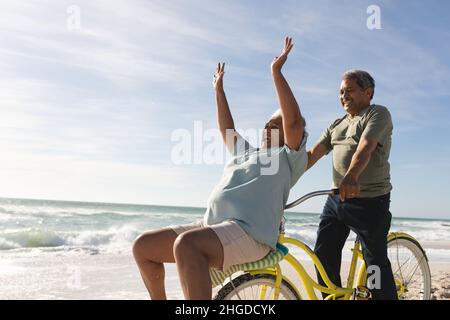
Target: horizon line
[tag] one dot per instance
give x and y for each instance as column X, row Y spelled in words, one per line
column 191, row 207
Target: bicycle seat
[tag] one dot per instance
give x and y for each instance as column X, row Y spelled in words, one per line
column 271, row 259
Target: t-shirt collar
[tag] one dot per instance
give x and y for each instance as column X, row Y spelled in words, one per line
column 359, row 115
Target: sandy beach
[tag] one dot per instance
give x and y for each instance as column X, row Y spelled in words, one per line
column 79, row 275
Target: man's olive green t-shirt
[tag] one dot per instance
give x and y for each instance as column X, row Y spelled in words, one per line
column 343, row 136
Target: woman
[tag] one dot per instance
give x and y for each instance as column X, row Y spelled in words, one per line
column 244, row 210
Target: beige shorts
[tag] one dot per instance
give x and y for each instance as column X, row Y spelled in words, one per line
column 238, row 246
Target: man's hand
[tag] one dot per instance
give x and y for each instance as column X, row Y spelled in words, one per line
column 349, row 188
column 278, row 62
column 218, row 76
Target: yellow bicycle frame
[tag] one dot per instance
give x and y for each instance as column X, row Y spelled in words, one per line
column 334, row 292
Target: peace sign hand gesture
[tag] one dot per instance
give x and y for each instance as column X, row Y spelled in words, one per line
column 278, row 62
column 218, row 76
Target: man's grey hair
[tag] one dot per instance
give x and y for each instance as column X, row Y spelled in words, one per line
column 362, row 78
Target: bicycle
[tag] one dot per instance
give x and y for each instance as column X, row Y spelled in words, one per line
column 408, row 259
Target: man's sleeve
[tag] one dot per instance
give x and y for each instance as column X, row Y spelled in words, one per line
column 325, row 139
column 379, row 125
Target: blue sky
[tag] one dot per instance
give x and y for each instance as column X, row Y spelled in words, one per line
column 87, row 114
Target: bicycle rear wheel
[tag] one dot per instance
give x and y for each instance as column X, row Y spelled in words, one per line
column 255, row 287
column 410, row 268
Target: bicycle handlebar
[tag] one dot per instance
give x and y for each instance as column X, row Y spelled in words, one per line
column 310, row 195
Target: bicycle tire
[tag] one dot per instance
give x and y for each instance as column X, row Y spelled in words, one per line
column 413, row 246
column 235, row 288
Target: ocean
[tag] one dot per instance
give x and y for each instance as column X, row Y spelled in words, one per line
column 82, row 250
column 96, row 228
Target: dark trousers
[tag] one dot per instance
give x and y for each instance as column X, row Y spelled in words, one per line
column 370, row 219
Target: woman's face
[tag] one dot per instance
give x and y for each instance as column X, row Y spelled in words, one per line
column 273, row 134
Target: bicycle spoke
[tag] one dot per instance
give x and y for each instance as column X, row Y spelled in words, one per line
column 400, row 267
column 417, row 266
column 401, row 276
column 409, row 269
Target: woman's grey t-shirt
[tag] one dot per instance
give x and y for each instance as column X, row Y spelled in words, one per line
column 255, row 187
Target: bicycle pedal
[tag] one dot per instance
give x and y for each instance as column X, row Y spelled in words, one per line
column 362, row 293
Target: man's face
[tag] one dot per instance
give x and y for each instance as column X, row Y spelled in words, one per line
column 353, row 97
column 273, row 129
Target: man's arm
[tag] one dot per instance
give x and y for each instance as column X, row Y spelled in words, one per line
column 224, row 117
column 317, row 152
column 349, row 187
column 293, row 125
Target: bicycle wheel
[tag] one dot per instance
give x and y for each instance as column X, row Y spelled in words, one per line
column 410, row 267
column 255, row 287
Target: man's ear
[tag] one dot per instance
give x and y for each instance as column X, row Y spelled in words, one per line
column 369, row 92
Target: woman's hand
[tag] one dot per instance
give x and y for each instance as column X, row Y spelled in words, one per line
column 278, row 62
column 218, row 76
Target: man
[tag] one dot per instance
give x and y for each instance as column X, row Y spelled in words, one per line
column 361, row 142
